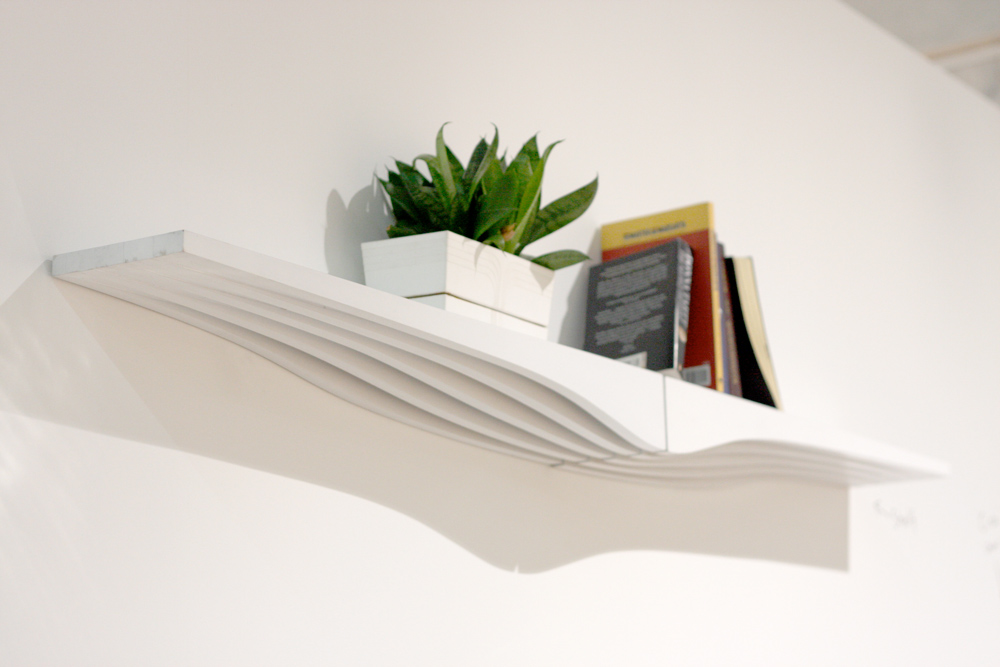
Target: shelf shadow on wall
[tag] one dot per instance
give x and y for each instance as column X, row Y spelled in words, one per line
column 200, row 394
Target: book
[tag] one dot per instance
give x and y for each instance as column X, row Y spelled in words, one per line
column 696, row 226
column 730, row 353
column 637, row 307
column 758, row 380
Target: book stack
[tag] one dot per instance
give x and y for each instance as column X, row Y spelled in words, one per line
column 638, row 307
column 667, row 298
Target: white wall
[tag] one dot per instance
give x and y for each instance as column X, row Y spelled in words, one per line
column 861, row 179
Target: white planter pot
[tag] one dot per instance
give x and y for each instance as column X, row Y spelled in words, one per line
column 460, row 275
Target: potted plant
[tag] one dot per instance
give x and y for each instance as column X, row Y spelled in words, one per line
column 459, row 231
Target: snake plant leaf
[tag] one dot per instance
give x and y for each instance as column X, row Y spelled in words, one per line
column 434, row 169
column 443, row 164
column 409, row 172
column 532, row 193
column 457, row 171
column 514, row 245
column 496, row 241
column 446, row 172
column 403, row 184
column 475, row 160
column 498, row 205
column 425, row 196
column 460, row 202
column 530, row 151
column 483, row 157
column 405, row 225
column 491, row 176
column 527, row 209
column 438, row 183
column 562, row 211
column 522, row 167
column 428, row 160
column 397, row 230
column 560, row 259
column 438, row 186
column 403, row 207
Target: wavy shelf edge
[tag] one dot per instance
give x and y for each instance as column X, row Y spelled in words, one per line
column 473, row 382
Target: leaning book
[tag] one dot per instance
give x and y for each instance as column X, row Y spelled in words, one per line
column 637, row 307
column 756, row 368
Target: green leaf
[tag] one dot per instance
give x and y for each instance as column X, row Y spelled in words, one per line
column 427, row 159
column 457, row 170
column 496, row 241
column 446, row 200
column 560, row 259
column 410, row 171
column 492, row 176
column 402, row 205
column 530, row 151
column 426, row 198
column 395, row 231
column 532, row 193
column 522, row 168
column 399, row 190
column 498, row 205
column 444, row 165
column 409, row 227
column 475, row 162
column 460, row 202
column 562, row 211
column 487, row 159
column 528, row 207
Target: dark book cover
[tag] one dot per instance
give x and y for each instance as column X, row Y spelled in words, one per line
column 638, row 305
column 756, row 373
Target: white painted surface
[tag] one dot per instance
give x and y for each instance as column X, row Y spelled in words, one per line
column 861, row 179
column 19, row 255
column 465, row 308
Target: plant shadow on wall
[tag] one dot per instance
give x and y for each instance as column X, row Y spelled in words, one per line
column 348, row 225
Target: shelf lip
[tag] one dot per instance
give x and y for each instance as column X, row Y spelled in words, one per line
column 472, row 381
column 751, row 423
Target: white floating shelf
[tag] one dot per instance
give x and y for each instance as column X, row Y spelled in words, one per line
column 473, row 382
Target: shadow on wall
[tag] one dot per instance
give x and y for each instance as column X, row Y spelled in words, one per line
column 365, row 218
column 52, row 368
column 74, row 356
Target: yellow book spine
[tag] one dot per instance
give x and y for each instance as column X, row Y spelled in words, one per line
column 658, row 226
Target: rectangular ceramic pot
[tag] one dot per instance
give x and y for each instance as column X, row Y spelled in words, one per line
column 479, row 280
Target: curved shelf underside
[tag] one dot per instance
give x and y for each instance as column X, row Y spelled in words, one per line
column 462, row 379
